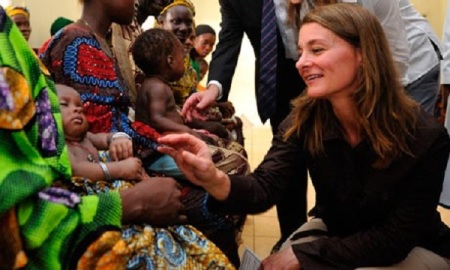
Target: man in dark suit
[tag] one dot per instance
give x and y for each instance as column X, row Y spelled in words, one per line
column 239, row 17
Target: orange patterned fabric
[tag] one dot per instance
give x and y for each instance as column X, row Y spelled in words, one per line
column 109, row 252
column 14, row 256
column 23, row 109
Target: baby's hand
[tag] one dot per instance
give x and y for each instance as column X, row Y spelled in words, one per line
column 120, row 148
column 132, row 168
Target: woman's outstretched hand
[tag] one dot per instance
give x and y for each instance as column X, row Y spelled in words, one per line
column 194, row 160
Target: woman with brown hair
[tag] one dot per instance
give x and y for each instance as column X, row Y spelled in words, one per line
column 414, row 44
column 375, row 158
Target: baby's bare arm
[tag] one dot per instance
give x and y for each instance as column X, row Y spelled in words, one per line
column 89, row 170
column 100, row 140
column 119, row 144
column 127, row 169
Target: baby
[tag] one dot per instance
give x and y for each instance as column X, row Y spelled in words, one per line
column 203, row 67
column 159, row 54
column 83, row 146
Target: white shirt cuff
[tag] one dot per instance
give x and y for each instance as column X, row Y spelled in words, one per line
column 219, row 85
column 445, row 71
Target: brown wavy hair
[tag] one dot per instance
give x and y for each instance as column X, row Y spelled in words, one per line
column 293, row 10
column 386, row 114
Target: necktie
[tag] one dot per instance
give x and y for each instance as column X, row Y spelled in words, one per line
column 266, row 98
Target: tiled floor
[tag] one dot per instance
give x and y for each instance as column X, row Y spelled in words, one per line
column 261, row 231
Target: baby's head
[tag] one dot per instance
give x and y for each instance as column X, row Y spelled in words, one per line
column 203, row 66
column 159, row 52
column 75, row 123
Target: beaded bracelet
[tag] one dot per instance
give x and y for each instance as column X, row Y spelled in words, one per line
column 105, row 171
column 120, row 135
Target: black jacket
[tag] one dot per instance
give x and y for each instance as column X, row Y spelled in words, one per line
column 374, row 217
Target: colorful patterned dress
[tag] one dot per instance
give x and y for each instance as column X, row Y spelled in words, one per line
column 43, row 227
column 75, row 57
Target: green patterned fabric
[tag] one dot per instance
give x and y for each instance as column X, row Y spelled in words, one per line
column 55, row 225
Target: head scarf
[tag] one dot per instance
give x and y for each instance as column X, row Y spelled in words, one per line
column 186, row 3
column 58, row 24
column 17, row 10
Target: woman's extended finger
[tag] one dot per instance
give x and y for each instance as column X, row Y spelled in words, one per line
column 167, row 150
column 174, row 139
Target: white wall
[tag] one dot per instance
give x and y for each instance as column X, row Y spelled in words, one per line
column 44, row 12
column 434, row 11
column 5, row 3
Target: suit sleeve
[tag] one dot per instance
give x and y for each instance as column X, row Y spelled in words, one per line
column 225, row 57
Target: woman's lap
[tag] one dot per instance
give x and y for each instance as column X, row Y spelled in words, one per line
column 418, row 259
column 223, row 230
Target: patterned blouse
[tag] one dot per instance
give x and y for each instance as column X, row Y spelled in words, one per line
column 75, row 57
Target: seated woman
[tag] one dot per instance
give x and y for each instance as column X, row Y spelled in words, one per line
column 44, row 225
column 70, row 57
column 375, row 158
